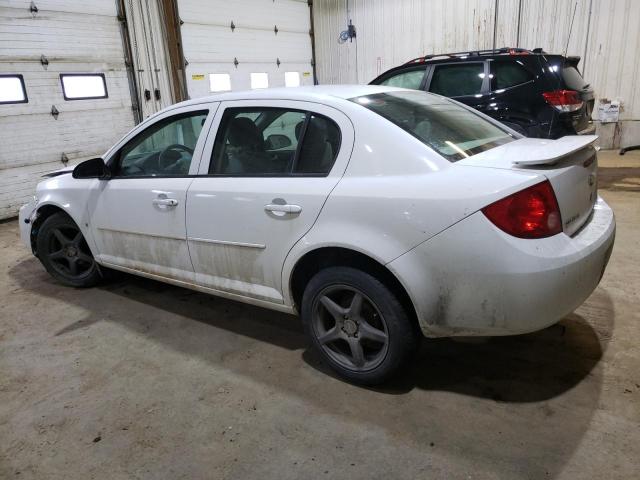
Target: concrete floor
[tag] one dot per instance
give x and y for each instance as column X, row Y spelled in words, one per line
column 137, row 379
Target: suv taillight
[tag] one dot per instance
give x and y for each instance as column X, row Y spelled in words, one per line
column 563, row 100
column 529, row 213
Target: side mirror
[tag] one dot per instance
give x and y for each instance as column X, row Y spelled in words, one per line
column 94, row 168
column 277, row 141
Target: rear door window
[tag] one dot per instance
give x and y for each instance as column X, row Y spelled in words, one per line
column 508, row 74
column 457, row 80
column 268, row 141
column 408, row 79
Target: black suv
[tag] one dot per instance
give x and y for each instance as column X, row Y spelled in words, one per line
column 531, row 91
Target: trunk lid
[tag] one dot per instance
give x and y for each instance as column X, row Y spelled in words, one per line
column 569, row 163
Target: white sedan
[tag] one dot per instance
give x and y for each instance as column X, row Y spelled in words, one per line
column 378, row 214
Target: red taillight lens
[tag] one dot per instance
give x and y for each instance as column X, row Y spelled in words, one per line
column 529, row 213
column 563, row 100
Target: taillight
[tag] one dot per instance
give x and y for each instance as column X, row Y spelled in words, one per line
column 563, row 100
column 529, row 213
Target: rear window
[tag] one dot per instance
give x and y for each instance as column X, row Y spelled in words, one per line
column 508, row 74
column 573, row 79
column 457, row 80
column 411, row 79
column 453, row 131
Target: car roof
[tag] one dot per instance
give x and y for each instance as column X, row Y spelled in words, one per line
column 504, row 54
column 316, row 93
column 478, row 55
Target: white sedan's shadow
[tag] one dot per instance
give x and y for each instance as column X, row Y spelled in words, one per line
column 538, row 390
column 523, row 368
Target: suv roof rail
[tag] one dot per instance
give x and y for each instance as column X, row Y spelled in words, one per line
column 473, row 53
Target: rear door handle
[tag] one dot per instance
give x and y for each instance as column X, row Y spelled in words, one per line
column 166, row 202
column 273, row 207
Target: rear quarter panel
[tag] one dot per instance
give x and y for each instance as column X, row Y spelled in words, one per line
column 397, row 193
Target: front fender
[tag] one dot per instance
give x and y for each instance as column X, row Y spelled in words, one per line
column 68, row 195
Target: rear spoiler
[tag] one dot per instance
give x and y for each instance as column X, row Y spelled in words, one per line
column 542, row 152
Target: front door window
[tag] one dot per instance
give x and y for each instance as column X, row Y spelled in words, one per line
column 164, row 149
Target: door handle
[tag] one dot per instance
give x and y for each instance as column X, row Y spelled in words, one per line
column 274, row 207
column 165, row 202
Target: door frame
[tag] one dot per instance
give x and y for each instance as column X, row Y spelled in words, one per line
column 213, row 107
column 112, row 156
column 341, row 119
column 336, row 173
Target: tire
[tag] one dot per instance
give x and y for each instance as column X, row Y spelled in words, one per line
column 343, row 307
column 64, row 252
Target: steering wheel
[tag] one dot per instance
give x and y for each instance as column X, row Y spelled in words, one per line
column 171, row 155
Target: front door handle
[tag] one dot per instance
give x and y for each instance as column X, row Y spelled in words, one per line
column 165, row 202
column 274, row 207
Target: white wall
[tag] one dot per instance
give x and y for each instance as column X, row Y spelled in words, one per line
column 76, row 37
column 605, row 34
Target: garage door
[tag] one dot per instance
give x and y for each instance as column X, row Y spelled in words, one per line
column 146, row 26
column 245, row 44
column 43, row 125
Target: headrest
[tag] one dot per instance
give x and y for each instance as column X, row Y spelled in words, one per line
column 243, row 132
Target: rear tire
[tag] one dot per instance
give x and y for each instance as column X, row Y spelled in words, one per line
column 357, row 325
column 64, row 252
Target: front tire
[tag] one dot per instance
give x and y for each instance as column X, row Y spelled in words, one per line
column 358, row 325
column 64, row 252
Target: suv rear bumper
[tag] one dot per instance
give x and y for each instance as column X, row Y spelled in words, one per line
column 474, row 279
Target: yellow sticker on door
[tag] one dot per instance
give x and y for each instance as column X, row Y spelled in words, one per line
column 306, row 74
column 197, row 77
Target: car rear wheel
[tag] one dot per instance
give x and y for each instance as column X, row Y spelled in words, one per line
column 357, row 325
column 64, row 252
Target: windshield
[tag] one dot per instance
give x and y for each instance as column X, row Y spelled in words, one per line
column 451, row 130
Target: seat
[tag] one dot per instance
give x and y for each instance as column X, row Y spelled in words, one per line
column 245, row 152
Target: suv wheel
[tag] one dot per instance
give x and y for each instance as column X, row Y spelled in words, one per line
column 357, row 325
column 64, row 252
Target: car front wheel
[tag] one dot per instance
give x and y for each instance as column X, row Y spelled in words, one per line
column 357, row 325
column 64, row 252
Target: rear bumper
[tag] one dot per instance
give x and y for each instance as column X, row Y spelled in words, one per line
column 474, row 279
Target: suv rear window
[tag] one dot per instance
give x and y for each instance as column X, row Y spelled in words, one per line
column 455, row 132
column 573, row 79
column 508, row 74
